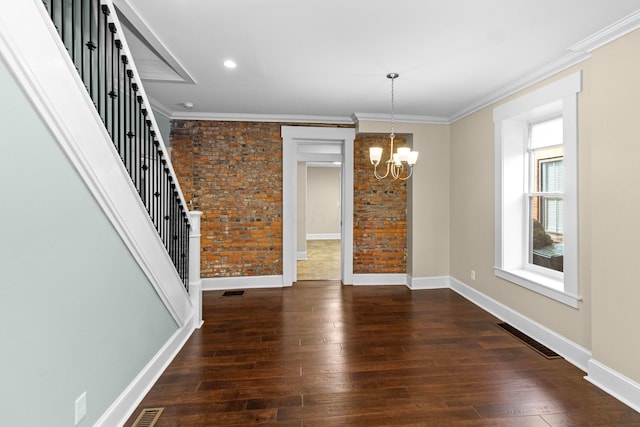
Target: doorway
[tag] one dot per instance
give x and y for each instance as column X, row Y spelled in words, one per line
column 316, row 144
column 319, row 212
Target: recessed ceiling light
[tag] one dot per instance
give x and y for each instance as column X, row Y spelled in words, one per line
column 230, row 64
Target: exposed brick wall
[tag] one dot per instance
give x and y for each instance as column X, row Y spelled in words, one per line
column 380, row 220
column 232, row 172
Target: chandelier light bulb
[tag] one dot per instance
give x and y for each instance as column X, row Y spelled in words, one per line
column 375, row 154
column 413, row 158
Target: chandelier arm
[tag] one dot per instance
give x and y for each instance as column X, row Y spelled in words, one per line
column 409, row 173
column 378, row 176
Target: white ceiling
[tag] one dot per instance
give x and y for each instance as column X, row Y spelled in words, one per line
column 328, row 59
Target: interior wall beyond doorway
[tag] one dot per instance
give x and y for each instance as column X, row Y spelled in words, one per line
column 323, row 201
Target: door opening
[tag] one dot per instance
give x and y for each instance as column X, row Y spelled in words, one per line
column 316, row 144
column 319, row 217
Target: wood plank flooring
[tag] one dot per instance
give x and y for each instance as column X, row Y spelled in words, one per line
column 322, row 354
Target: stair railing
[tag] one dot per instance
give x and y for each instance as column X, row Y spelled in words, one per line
column 88, row 30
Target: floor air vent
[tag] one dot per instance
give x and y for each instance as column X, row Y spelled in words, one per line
column 545, row 351
column 233, row 294
column 148, row 417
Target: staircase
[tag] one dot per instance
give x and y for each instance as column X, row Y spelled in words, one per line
column 74, row 67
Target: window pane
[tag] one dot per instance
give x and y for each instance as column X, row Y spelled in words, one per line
column 551, row 176
column 546, row 247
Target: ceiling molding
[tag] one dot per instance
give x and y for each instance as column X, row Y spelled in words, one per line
column 536, row 76
column 277, row 118
column 129, row 15
column 579, row 52
column 399, row 118
column 608, row 34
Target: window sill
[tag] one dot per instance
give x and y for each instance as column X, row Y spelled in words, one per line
column 538, row 283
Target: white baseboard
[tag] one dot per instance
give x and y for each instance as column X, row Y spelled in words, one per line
column 122, row 408
column 435, row 282
column 379, row 279
column 301, row 256
column 246, row 282
column 617, row 385
column 572, row 352
column 323, row 236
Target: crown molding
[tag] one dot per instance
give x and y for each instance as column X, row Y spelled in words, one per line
column 536, row 76
column 608, row 34
column 277, row 118
column 129, row 15
column 579, row 52
column 399, row 118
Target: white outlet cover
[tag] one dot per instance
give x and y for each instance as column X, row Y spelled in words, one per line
column 81, row 407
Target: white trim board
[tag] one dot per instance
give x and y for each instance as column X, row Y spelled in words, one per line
column 301, row 255
column 572, row 352
column 246, row 282
column 435, row 282
column 614, row 383
column 323, row 236
column 124, row 406
column 379, row 279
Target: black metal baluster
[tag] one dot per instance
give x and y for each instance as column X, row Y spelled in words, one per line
column 113, row 94
column 159, row 176
column 141, row 132
column 118, row 117
column 63, row 29
column 73, row 31
column 144, row 167
column 174, row 223
column 163, row 191
column 130, row 133
column 91, row 46
column 134, row 126
column 81, row 47
column 105, row 106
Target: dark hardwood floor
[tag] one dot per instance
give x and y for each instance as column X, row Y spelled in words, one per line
column 320, row 354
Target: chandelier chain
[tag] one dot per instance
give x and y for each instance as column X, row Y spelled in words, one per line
column 393, row 78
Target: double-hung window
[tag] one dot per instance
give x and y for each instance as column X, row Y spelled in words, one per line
column 536, row 173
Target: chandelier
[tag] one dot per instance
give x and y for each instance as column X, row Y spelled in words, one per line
column 400, row 163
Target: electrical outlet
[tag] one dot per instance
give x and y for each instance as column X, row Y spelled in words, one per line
column 81, row 407
column 473, row 275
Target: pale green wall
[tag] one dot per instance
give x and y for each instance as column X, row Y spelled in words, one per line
column 76, row 312
column 164, row 125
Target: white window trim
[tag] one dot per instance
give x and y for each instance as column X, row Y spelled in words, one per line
column 511, row 122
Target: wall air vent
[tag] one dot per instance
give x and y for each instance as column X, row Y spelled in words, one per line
column 233, row 294
column 148, row 417
column 535, row 345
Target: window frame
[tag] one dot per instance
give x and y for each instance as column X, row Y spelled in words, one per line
column 512, row 122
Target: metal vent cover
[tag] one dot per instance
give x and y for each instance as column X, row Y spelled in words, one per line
column 233, row 294
column 148, row 417
column 526, row 339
